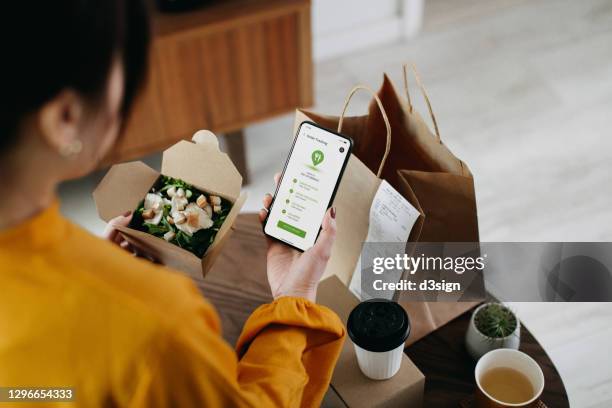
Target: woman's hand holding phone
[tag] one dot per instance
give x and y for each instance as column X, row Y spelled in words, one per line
column 294, row 273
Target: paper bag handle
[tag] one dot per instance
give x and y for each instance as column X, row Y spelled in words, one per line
column 420, row 84
column 382, row 112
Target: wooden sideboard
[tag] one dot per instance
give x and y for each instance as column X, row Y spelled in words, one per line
column 221, row 67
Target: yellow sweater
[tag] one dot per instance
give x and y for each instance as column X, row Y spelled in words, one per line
column 77, row 311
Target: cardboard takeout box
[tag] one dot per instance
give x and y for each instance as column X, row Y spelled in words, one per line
column 198, row 162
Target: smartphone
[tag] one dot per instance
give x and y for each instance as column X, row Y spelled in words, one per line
column 307, row 185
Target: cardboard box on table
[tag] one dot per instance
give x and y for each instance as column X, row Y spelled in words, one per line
column 404, row 389
column 199, row 163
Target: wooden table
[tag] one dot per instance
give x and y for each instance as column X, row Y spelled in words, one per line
column 237, row 284
column 449, row 370
column 221, row 67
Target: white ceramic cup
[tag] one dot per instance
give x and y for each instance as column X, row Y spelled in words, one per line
column 516, row 360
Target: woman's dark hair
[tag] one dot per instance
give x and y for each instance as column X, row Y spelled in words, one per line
column 49, row 46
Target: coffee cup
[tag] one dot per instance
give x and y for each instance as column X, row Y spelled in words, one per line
column 378, row 329
column 508, row 378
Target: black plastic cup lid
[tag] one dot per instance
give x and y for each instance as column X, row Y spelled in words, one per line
column 378, row 325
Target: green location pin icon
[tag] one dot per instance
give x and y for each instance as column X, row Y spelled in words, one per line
column 317, row 157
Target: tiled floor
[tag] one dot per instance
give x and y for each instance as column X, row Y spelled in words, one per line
column 522, row 91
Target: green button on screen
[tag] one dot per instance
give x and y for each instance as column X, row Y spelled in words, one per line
column 290, row 228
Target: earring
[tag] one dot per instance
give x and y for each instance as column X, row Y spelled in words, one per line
column 71, row 149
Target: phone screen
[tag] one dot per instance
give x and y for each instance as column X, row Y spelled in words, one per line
column 307, row 186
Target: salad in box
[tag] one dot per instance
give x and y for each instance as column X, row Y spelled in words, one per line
column 182, row 215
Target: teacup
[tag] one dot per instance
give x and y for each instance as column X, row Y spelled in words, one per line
column 495, row 387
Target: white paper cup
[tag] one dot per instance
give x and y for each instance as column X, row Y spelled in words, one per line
column 378, row 329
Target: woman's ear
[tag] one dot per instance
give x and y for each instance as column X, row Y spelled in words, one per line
column 59, row 121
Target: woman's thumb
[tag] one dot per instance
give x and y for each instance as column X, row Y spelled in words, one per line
column 326, row 239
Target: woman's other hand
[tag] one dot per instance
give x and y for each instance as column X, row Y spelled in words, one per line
column 291, row 273
column 113, row 235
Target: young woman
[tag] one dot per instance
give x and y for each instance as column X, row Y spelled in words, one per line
column 78, row 311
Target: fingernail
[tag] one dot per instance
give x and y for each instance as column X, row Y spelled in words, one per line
column 333, row 212
column 127, row 213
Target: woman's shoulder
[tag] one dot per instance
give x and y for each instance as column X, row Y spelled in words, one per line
column 94, row 303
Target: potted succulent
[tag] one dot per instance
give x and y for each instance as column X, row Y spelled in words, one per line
column 492, row 326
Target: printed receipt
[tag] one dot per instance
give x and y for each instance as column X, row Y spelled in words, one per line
column 391, row 220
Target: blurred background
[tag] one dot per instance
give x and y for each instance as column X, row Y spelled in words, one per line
column 522, row 92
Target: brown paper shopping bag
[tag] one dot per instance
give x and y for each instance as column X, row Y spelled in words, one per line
column 421, row 168
column 357, row 188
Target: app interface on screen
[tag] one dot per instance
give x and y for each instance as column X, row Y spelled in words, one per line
column 307, row 186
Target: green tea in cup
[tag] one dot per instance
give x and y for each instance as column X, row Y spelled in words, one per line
column 508, row 378
column 507, row 384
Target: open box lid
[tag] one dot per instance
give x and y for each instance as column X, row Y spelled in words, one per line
column 203, row 165
column 114, row 198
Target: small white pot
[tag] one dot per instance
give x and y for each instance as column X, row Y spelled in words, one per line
column 477, row 344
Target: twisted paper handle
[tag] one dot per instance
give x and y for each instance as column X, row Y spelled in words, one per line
column 420, row 84
column 383, row 113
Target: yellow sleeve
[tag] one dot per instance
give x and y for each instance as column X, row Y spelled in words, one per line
column 293, row 343
column 286, row 355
